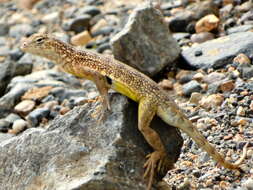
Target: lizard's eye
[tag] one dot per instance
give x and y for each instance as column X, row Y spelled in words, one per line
column 39, row 40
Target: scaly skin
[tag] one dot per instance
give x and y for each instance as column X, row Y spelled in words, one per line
column 109, row 73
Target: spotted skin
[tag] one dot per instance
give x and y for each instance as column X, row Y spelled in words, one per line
column 133, row 84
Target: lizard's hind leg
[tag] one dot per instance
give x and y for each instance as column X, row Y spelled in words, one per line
column 155, row 163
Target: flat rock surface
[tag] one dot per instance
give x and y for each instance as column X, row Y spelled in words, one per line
column 219, row 52
column 74, row 152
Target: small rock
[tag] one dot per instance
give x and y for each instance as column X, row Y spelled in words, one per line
column 248, row 184
column 25, row 107
column 190, row 87
column 50, row 18
column 20, row 30
column 240, row 111
column 166, row 84
column 227, row 86
column 27, row 4
column 202, row 37
column 103, row 31
column 100, row 24
column 12, row 117
column 207, row 23
column 4, row 29
column 37, row 93
column 180, row 35
column 78, row 24
column 195, row 98
column 4, row 126
column 81, row 39
column 101, row 48
column 180, row 21
column 211, row 101
column 64, row 110
column 198, row 77
column 18, row 126
column 241, row 59
column 89, row 10
column 36, row 116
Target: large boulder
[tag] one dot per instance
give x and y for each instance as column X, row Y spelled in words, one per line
column 145, row 42
column 75, row 152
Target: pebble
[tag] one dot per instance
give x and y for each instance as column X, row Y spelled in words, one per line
column 190, row 87
column 4, row 126
column 90, row 10
column 37, row 93
column 240, row 111
column 202, row 37
column 227, row 86
column 81, row 38
column 36, row 116
column 248, row 184
column 207, row 23
column 20, row 30
column 78, row 24
column 166, row 84
column 24, row 107
column 12, row 117
column 18, row 126
column 211, row 101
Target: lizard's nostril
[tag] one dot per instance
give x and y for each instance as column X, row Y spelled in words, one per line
column 23, row 45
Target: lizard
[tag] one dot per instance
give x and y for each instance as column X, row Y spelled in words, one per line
column 109, row 73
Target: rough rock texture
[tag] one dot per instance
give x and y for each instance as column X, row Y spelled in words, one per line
column 145, row 42
column 76, row 153
column 219, row 52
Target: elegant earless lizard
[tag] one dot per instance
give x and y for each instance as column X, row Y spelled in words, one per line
column 108, row 73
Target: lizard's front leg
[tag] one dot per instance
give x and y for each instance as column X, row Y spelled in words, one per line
column 103, row 86
column 156, row 160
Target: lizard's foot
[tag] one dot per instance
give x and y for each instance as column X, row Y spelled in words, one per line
column 156, row 163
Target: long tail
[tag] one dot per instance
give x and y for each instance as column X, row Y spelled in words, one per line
column 191, row 130
column 172, row 115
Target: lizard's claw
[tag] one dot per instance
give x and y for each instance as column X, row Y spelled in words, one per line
column 155, row 163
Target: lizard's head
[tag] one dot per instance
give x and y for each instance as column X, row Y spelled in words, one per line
column 37, row 44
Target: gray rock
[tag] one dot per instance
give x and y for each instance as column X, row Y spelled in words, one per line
column 90, row 10
column 6, row 73
column 102, row 47
column 219, row 52
column 5, row 136
column 36, row 115
column 145, row 42
column 4, row 50
column 20, row 30
column 4, row 125
column 103, row 31
column 12, row 117
column 180, row 21
column 78, row 24
column 8, row 101
column 16, row 54
column 4, row 29
column 181, row 35
column 74, row 152
column 190, row 87
column 242, row 28
column 23, row 66
column 247, row 72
